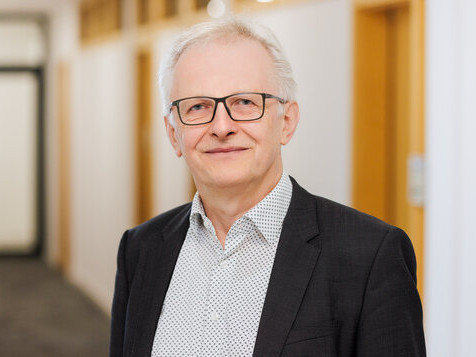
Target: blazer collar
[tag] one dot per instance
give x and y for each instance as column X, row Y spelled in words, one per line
column 296, row 257
column 160, row 256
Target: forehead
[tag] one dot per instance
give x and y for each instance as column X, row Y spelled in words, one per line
column 223, row 66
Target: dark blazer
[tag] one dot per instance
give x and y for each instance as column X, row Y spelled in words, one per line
column 343, row 284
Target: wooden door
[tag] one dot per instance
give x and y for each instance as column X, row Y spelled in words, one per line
column 388, row 115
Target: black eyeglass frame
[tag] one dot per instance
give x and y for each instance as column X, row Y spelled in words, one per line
column 265, row 96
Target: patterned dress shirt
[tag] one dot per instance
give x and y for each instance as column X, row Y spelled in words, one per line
column 216, row 295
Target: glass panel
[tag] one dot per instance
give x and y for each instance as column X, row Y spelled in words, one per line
column 18, row 152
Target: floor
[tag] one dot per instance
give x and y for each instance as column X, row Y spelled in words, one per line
column 42, row 315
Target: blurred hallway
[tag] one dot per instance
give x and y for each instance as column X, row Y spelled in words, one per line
column 43, row 315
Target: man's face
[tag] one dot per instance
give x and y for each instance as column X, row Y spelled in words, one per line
column 227, row 153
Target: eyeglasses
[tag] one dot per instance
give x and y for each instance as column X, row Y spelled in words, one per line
column 240, row 107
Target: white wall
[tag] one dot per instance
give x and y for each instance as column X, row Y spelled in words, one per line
column 450, row 265
column 102, row 163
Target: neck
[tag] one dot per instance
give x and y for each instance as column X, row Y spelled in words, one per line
column 224, row 206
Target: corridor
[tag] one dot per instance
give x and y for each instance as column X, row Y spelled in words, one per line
column 43, row 315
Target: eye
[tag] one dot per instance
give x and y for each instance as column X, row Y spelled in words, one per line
column 245, row 102
column 197, row 107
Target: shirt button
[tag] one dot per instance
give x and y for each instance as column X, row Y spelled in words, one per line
column 223, row 263
column 214, row 316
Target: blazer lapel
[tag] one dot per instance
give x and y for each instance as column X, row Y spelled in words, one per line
column 160, row 257
column 294, row 263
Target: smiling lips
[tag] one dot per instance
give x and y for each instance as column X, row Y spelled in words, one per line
column 225, row 150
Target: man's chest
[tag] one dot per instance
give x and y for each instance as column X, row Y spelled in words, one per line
column 216, row 295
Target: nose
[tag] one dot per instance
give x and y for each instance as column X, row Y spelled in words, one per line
column 222, row 125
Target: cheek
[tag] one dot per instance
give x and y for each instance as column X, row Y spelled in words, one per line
column 269, row 143
column 273, row 134
column 189, row 139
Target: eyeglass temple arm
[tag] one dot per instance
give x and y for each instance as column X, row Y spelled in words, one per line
column 281, row 100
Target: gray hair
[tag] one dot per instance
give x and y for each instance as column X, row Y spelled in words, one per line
column 233, row 27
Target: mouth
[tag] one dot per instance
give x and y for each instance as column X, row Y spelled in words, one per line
column 226, row 150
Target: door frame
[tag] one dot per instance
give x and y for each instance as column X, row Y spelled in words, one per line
column 37, row 249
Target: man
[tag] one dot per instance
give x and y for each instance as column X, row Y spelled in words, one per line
column 255, row 265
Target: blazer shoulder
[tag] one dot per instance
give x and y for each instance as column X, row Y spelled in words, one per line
column 349, row 227
column 148, row 234
column 335, row 216
column 170, row 219
column 344, row 227
column 341, row 217
column 348, row 232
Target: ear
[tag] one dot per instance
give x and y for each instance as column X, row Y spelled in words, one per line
column 291, row 120
column 171, row 133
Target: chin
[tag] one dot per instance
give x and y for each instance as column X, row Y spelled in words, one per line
column 227, row 178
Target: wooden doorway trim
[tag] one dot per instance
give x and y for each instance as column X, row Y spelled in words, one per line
column 388, row 112
column 64, row 167
column 143, row 130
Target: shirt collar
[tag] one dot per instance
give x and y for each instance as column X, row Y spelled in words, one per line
column 268, row 215
column 198, row 212
column 270, row 225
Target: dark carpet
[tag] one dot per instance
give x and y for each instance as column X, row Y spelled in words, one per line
column 43, row 315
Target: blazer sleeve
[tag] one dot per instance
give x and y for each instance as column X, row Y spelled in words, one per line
column 391, row 322
column 119, row 302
